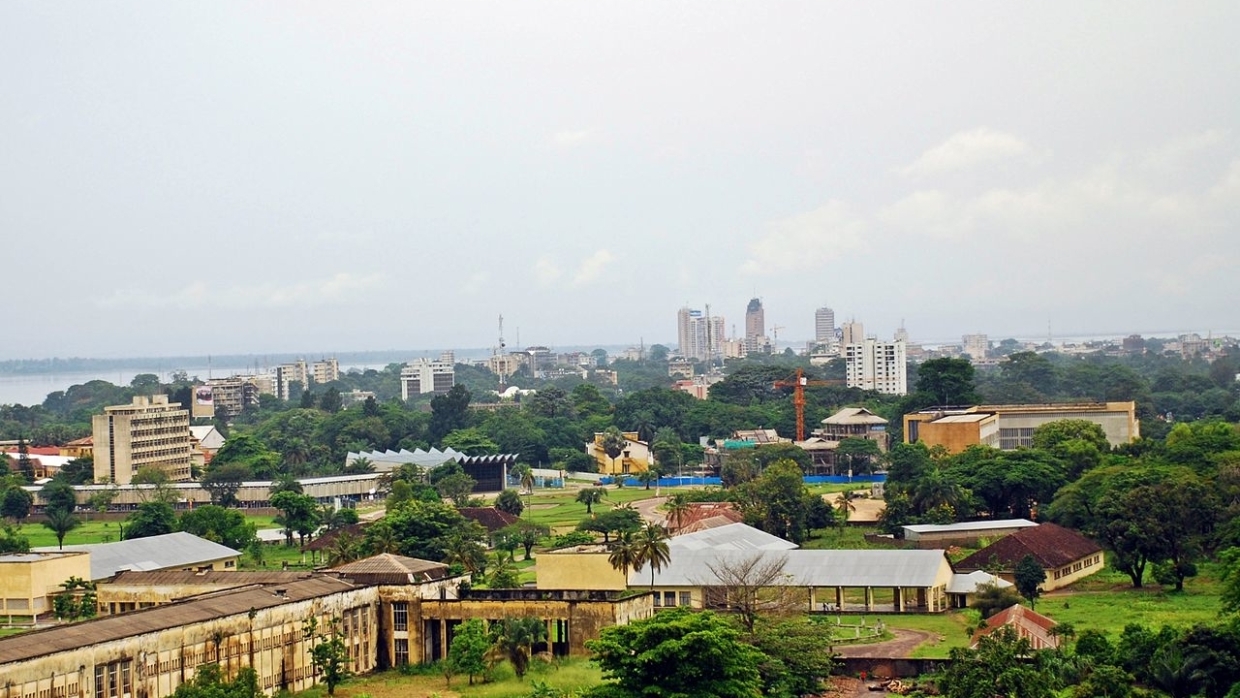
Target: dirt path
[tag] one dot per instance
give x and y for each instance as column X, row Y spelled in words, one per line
column 902, row 645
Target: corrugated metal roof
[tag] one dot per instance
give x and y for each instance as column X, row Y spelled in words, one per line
column 195, row 610
column 206, row 577
column 854, row 415
column 969, row 583
column 965, row 526
column 804, row 568
column 178, row 549
column 736, row 536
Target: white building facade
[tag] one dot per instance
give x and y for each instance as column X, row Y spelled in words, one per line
column 878, row 366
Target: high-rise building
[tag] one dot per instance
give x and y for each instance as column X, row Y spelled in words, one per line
column 287, row 374
column 902, row 334
column 149, row 433
column 824, row 325
column 975, row 345
column 755, row 326
column 878, row 366
column 700, row 335
column 854, row 333
column 425, row 376
column 325, row 371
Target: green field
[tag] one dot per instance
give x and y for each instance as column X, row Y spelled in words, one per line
column 557, row 509
column 1107, row 602
column 566, row 675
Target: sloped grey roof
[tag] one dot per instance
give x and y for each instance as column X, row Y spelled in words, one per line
column 969, row 583
column 966, row 526
column 736, row 536
column 172, row 550
column 804, row 568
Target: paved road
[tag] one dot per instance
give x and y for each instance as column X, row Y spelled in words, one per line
column 649, row 509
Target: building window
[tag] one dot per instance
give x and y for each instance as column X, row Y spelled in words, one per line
column 402, row 652
column 400, row 618
column 686, row 599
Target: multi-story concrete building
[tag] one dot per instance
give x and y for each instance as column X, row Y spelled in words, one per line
column 287, row 374
column 148, row 433
column 853, row 332
column 1011, row 426
column 824, row 325
column 426, row 376
column 977, row 346
column 877, row 366
column 325, row 371
column 229, row 395
column 699, row 334
column 755, row 328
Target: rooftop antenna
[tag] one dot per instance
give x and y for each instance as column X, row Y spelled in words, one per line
column 501, row 363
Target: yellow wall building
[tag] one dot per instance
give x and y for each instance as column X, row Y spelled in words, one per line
column 580, row 567
column 634, row 459
column 27, row 580
column 1011, row 426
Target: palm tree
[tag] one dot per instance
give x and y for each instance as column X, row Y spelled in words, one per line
column 527, row 479
column 648, row 476
column 61, row 521
column 515, row 637
column 651, row 543
column 846, row 505
column 380, row 538
column 346, row 548
column 589, row 497
column 613, row 444
column 677, row 509
column 465, row 552
column 623, row 555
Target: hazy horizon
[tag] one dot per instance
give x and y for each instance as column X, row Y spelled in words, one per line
column 236, row 178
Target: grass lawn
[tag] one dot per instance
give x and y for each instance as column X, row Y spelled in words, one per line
column 1107, row 602
column 948, row 629
column 568, row 675
column 844, row 538
column 558, row 510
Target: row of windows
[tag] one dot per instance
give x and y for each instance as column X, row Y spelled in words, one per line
column 669, row 598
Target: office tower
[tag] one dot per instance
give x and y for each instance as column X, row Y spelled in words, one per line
column 149, row 433
column 824, row 325
column 878, row 366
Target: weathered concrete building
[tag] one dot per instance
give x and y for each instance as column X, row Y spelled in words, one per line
column 388, row 609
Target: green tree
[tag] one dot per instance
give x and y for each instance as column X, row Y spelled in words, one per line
column 623, row 555
column 16, row 503
column 471, row 441
column 652, row 549
column 423, row 527
column 79, row 471
column 862, row 451
column 153, row 518
column 468, row 651
column 12, row 541
column 328, row 653
column 224, row 481
column 992, row 598
column 59, row 494
column 590, row 496
column 998, row 667
column 228, row 527
column 449, row 412
column 456, row 487
column 60, row 522
column 947, row 381
column 331, row 402
column 1029, row 576
column 777, row 502
column 665, row 657
column 510, row 502
column 502, row 574
column 798, row 656
column 209, row 682
column 613, row 444
column 513, row 639
column 299, row 513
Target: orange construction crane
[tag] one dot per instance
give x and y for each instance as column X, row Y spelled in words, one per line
column 798, row 386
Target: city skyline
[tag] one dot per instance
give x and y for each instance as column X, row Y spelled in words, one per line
column 232, row 178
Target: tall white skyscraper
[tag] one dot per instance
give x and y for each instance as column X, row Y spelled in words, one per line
column 824, row 325
column 854, row 333
column 878, row 366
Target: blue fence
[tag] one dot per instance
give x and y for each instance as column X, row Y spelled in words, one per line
column 688, row 481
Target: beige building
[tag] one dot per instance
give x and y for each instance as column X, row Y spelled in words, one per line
column 1064, row 554
column 1011, row 426
column 878, row 366
column 426, row 377
column 854, row 423
column 325, row 371
column 28, row 580
column 148, row 433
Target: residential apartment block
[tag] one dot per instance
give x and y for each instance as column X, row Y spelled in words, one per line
column 699, row 334
column 148, row 433
column 878, row 366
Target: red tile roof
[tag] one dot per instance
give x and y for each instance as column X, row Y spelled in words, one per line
column 700, row 512
column 1018, row 616
column 492, row 519
column 1052, row 546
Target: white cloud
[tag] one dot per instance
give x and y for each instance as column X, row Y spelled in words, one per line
column 592, row 267
column 806, row 241
column 572, row 139
column 335, row 289
column 476, row 282
column 967, row 149
column 546, row 272
column 1175, row 151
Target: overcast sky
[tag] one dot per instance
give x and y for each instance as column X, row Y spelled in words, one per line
column 189, row 178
